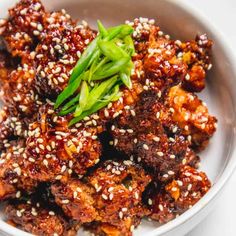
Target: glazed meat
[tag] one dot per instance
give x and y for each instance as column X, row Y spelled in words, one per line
column 13, row 176
column 57, row 54
column 76, row 200
column 56, row 151
column 18, row 93
column 179, row 195
column 112, row 197
column 196, row 54
column 192, row 115
column 152, row 138
column 39, row 221
column 19, row 31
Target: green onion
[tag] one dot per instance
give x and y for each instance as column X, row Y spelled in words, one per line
column 102, row 30
column 95, row 108
column 71, row 103
column 69, row 110
column 130, row 44
column 104, row 66
column 68, row 91
column 126, row 79
column 84, row 60
column 84, row 95
column 111, row 50
column 111, row 69
column 97, row 93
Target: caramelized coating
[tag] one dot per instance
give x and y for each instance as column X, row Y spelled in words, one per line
column 179, row 195
column 18, row 93
column 57, row 55
column 22, row 29
column 192, row 115
column 39, row 221
column 56, row 151
column 147, row 134
column 11, row 127
column 113, row 197
column 196, row 54
column 161, row 66
column 75, row 198
column 13, row 175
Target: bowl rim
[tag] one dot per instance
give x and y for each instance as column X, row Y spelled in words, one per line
column 228, row 169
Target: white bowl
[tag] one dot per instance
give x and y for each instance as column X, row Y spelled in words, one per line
column 182, row 22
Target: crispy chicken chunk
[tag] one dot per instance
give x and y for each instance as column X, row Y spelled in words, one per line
column 196, row 54
column 75, row 198
column 179, row 195
column 39, row 221
column 56, row 151
column 57, row 55
column 22, row 29
column 192, row 115
column 147, row 134
column 18, row 93
column 14, row 177
column 112, row 197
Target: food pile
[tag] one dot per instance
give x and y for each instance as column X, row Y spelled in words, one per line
column 135, row 157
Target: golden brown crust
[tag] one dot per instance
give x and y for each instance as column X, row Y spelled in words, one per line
column 39, row 221
column 179, row 195
column 192, row 115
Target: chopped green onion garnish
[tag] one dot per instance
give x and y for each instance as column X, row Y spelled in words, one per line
column 104, row 66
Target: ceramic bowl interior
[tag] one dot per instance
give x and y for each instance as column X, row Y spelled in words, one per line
column 181, row 23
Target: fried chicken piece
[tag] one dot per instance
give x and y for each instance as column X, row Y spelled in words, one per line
column 111, row 197
column 57, row 54
column 23, row 27
column 18, row 93
column 179, row 195
column 161, row 66
column 192, row 115
column 75, row 198
column 196, row 54
column 39, row 221
column 147, row 134
column 119, row 187
column 11, row 127
column 13, row 175
column 56, row 150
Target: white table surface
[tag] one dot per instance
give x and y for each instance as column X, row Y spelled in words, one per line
column 222, row 220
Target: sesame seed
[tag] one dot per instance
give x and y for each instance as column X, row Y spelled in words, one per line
column 136, row 195
column 111, row 195
column 51, row 213
column 158, row 115
column 66, row 201
column 170, row 172
column 172, row 156
column 150, row 201
column 132, row 112
column 120, row 214
column 160, row 207
column 18, row 194
column 63, row 168
column 160, row 154
column 104, row 197
column 18, row 213
column 58, row 177
column 31, row 159
column 189, row 187
column 156, row 139
column 145, row 146
column 187, row 77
